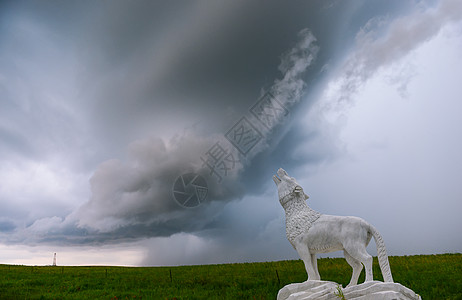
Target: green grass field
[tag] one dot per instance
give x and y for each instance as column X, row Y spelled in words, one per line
column 431, row 276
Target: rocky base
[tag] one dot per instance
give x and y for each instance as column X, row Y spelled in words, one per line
column 326, row 290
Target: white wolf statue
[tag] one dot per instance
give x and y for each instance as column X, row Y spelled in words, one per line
column 310, row 232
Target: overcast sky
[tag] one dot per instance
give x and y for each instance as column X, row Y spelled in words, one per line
column 104, row 105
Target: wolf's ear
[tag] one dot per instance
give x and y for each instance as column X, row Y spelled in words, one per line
column 298, row 190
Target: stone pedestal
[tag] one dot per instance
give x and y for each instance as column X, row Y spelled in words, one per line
column 327, row 290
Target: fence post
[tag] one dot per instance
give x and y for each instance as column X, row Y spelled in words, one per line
column 171, row 279
column 277, row 275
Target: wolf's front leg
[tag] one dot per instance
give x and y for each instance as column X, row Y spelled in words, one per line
column 305, row 255
column 314, row 261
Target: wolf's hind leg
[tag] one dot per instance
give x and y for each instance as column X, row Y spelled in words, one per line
column 357, row 267
column 359, row 253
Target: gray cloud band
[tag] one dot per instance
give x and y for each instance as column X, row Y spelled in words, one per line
column 263, row 117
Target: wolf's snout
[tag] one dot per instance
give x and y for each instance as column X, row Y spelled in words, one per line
column 281, row 172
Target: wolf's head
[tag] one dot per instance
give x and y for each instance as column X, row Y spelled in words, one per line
column 287, row 185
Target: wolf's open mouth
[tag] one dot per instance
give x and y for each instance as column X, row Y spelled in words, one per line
column 275, row 178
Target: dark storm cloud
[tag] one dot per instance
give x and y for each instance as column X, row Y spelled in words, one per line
column 204, row 63
column 139, row 65
column 133, row 199
column 153, row 69
column 141, row 189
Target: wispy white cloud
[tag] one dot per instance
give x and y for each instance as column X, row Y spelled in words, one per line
column 293, row 66
column 382, row 43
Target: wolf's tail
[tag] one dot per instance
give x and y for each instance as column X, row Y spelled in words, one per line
column 382, row 255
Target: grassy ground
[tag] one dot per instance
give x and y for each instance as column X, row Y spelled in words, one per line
column 431, row 276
